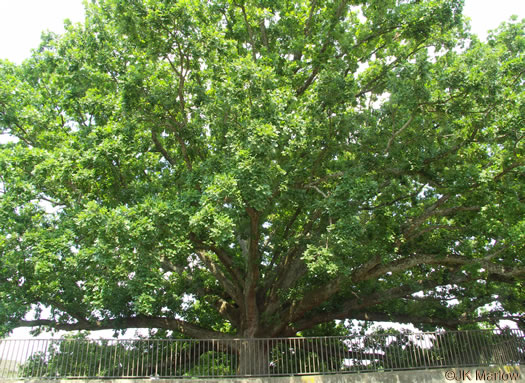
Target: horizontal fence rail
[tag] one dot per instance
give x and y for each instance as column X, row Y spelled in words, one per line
column 214, row 358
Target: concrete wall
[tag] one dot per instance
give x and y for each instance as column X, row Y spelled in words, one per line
column 474, row 374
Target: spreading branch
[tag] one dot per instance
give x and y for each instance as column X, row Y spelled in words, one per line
column 181, row 326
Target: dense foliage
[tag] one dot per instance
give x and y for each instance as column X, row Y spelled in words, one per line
column 262, row 168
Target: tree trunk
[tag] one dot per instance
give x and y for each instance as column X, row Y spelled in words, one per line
column 254, row 358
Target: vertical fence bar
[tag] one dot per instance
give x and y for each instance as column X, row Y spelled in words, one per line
column 111, row 367
column 167, row 361
column 291, row 358
column 360, row 350
column 331, row 355
column 296, row 355
column 193, row 362
column 18, row 347
column 406, row 351
column 62, row 346
column 76, row 352
column 330, row 359
column 170, row 361
column 70, row 366
column 3, row 344
column 499, row 347
column 155, row 355
column 128, row 349
column 95, row 358
column 4, row 372
column 507, row 353
column 162, row 359
column 491, row 351
column 283, row 356
column 305, row 364
column 83, row 345
column 30, row 357
column 372, row 352
column 28, row 351
column 478, row 341
column 434, row 357
column 235, row 360
column 320, row 354
column 416, row 360
column 311, row 355
column 101, row 358
column 341, row 347
column 78, row 358
column 14, row 359
column 140, row 358
column 339, row 362
column 467, row 337
column 342, row 351
column 136, row 359
column 177, row 359
column 125, row 359
column 131, row 363
column 397, row 362
column 453, row 351
column 409, row 352
column 117, row 371
column 18, row 353
column 423, row 348
column 436, row 348
column 7, row 363
column 66, row 355
column 44, row 365
column 26, row 355
column 417, row 352
column 446, row 349
column 108, row 356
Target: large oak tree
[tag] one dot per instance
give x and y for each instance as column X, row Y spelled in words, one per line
column 238, row 168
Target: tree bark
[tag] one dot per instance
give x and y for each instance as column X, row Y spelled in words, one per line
column 254, row 358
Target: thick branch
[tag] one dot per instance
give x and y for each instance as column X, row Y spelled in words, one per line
column 338, row 14
column 183, row 147
column 310, row 18
column 447, row 323
column 223, row 256
column 315, row 298
column 252, row 274
column 264, row 35
column 361, row 304
column 233, row 290
column 497, row 272
column 396, row 133
column 250, row 32
column 133, row 322
column 283, row 270
column 75, row 314
column 161, row 149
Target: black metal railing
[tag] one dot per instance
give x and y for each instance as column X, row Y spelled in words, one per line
column 213, row 358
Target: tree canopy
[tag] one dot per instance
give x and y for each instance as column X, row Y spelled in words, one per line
column 239, row 168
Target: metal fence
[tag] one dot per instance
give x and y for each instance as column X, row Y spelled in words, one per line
column 176, row 358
